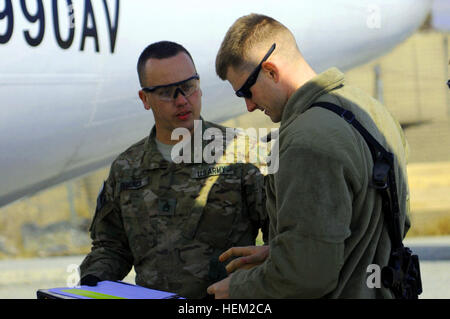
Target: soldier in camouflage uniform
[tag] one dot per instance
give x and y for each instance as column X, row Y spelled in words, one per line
column 171, row 221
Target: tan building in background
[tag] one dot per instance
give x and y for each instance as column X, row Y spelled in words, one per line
column 411, row 83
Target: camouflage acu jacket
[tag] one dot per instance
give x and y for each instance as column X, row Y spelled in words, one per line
column 169, row 220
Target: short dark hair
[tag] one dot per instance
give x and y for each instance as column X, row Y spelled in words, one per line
column 158, row 50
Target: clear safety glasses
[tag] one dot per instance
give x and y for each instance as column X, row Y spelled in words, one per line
column 169, row 92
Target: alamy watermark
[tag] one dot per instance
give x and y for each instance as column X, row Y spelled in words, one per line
column 73, row 279
column 71, row 17
column 373, row 20
column 374, row 279
column 256, row 146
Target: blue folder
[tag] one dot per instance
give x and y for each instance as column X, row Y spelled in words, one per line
column 107, row 290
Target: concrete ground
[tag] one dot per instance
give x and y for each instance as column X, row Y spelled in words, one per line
column 20, row 279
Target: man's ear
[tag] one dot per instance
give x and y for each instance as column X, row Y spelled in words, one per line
column 271, row 70
column 144, row 99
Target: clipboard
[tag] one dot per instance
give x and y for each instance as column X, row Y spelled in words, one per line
column 105, row 290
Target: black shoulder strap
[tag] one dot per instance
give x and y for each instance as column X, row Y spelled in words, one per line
column 350, row 118
column 383, row 177
column 402, row 274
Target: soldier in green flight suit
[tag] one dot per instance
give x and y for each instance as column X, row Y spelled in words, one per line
column 326, row 220
column 171, row 219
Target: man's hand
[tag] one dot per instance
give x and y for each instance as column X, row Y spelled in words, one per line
column 89, row 280
column 249, row 257
column 221, row 289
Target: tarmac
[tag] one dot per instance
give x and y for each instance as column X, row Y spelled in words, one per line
column 21, row 278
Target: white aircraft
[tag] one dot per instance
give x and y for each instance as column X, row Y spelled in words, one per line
column 68, row 81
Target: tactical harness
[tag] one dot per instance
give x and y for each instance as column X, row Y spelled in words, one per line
column 402, row 274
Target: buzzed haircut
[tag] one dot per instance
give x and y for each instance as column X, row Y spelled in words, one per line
column 246, row 33
column 158, row 50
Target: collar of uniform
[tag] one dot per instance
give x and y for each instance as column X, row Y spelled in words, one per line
column 154, row 159
column 302, row 99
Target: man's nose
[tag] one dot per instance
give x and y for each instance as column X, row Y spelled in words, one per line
column 179, row 97
column 251, row 106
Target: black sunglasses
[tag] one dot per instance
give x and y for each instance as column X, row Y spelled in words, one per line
column 244, row 91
